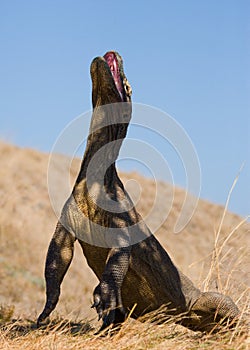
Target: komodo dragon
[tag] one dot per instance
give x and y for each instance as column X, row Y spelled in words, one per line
column 129, row 274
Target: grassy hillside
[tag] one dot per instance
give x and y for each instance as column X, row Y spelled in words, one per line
column 27, row 222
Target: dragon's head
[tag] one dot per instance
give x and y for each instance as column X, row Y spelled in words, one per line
column 110, row 84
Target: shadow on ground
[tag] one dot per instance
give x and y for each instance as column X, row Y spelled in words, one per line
column 20, row 328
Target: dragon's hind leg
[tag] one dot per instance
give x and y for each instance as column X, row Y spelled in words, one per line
column 59, row 257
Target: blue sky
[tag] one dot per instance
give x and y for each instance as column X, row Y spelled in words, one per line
column 188, row 58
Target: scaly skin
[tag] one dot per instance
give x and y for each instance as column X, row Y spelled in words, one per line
column 141, row 273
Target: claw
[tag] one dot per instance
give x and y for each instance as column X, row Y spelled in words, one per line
column 109, row 318
column 97, row 300
column 95, row 304
column 99, row 310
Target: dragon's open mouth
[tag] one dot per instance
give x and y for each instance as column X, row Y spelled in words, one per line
column 111, row 59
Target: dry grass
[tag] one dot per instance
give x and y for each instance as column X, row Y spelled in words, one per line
column 213, row 250
column 68, row 334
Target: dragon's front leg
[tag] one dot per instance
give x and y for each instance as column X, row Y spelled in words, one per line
column 107, row 294
column 59, row 257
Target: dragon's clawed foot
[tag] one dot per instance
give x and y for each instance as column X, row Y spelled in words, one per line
column 107, row 302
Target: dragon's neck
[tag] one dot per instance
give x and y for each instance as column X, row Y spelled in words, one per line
column 102, row 150
column 107, row 131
